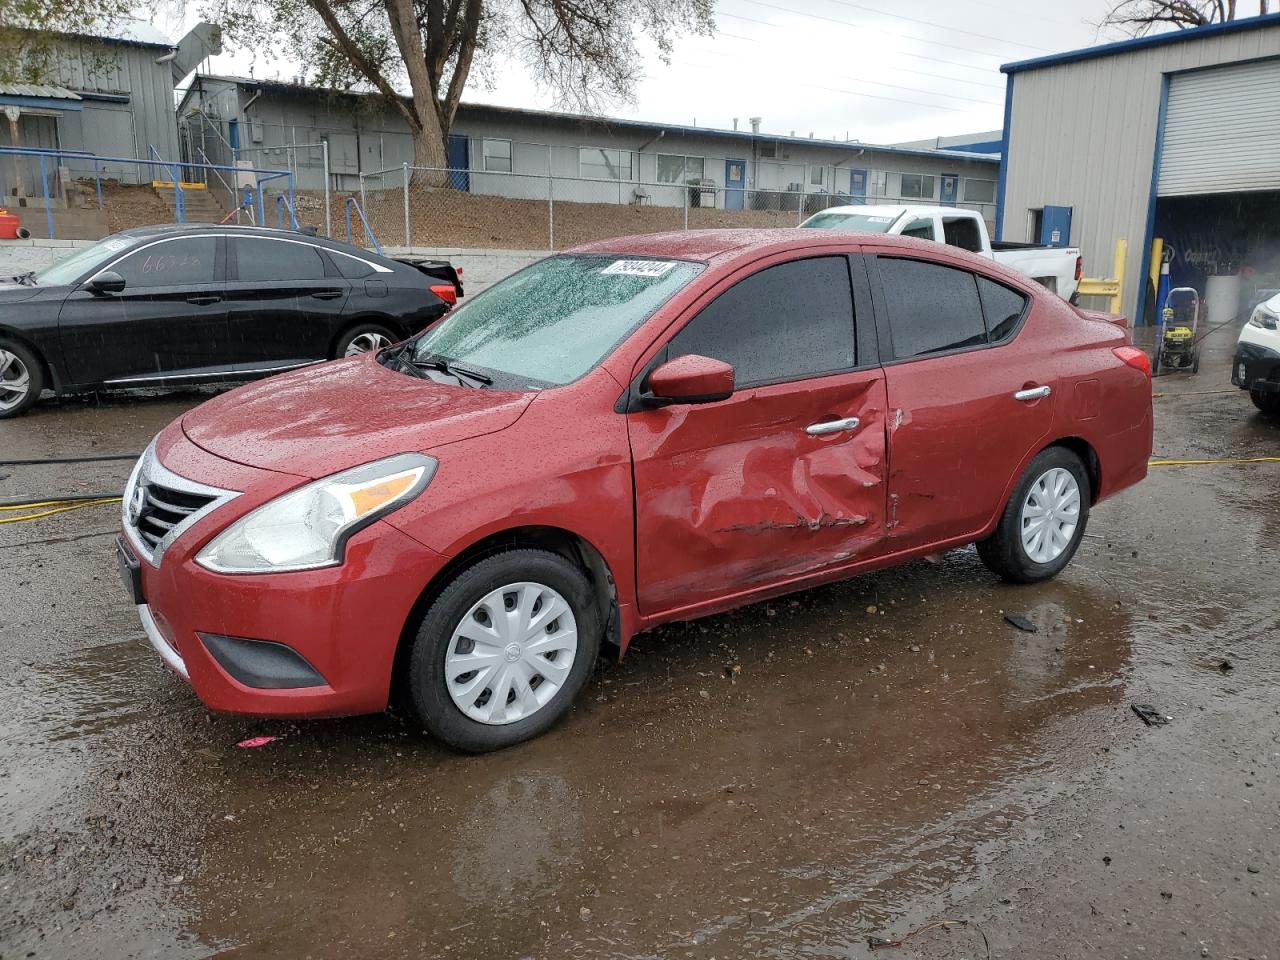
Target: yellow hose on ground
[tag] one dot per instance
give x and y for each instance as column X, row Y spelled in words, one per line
column 1196, row 463
column 58, row 509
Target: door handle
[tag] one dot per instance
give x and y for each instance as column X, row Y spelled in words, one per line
column 1032, row 393
column 327, row 294
column 203, row 301
column 832, row 426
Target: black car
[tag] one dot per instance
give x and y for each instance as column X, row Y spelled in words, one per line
column 196, row 304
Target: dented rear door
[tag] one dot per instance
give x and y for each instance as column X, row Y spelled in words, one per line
column 745, row 493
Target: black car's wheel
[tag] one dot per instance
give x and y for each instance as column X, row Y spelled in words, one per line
column 1266, row 401
column 1044, row 520
column 504, row 649
column 21, row 378
column 365, row 338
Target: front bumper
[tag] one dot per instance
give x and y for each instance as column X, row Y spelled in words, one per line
column 342, row 623
column 1256, row 367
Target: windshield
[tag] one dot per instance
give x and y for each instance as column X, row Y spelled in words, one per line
column 552, row 322
column 862, row 222
column 71, row 268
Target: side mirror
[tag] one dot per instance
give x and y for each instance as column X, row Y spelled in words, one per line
column 690, row 379
column 106, row 282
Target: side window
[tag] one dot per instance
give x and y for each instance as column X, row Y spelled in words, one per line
column 931, row 307
column 174, row 262
column 1003, row 308
column 963, row 232
column 787, row 322
column 350, row 267
column 261, row 258
column 923, row 229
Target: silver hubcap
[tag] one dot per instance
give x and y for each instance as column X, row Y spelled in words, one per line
column 1050, row 515
column 366, row 342
column 511, row 653
column 15, row 380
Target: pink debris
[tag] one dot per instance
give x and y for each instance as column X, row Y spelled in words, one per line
column 256, row 742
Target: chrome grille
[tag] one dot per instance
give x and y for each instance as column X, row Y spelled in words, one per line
column 159, row 505
column 164, row 508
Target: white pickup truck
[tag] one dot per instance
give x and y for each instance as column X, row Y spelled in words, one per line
column 1057, row 268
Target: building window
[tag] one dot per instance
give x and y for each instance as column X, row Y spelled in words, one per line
column 877, row 183
column 817, row 176
column 497, row 156
column 673, row 169
column 605, row 163
column 980, row 191
column 916, row 186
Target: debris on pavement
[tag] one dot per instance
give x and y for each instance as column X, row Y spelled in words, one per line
column 1150, row 715
column 1021, row 622
column 253, row 742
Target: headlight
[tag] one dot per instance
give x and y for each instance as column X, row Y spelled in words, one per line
column 1264, row 317
column 308, row 527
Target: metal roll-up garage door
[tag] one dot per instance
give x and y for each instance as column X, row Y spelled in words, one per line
column 1222, row 131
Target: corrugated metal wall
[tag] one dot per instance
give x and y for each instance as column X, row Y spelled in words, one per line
column 112, row 128
column 1083, row 135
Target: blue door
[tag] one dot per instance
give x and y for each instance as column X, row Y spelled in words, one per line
column 233, row 134
column 858, row 186
column 1055, row 227
column 735, row 181
column 950, row 187
column 459, row 162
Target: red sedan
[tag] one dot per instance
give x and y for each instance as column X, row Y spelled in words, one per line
column 637, row 431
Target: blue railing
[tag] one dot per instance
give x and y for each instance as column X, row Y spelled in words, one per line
column 173, row 168
column 351, row 203
column 283, row 206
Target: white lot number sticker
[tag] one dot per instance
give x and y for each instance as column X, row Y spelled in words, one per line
column 638, row 268
column 879, row 219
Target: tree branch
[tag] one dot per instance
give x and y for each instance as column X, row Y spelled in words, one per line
column 359, row 60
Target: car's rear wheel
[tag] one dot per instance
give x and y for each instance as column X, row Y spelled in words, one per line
column 504, row 649
column 1044, row 520
column 1266, row 401
column 365, row 338
column 21, row 378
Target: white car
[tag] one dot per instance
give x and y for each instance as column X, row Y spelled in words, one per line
column 1056, row 268
column 1257, row 363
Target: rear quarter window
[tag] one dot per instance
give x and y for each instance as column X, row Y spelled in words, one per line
column 1002, row 307
column 350, row 267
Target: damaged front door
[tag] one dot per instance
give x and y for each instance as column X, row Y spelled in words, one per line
column 786, row 477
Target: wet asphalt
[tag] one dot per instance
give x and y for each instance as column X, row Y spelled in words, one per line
column 788, row 780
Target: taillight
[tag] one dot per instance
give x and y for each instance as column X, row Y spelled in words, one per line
column 446, row 292
column 1079, row 268
column 1135, row 358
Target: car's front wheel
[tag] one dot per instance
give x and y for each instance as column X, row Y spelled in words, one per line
column 1266, row 401
column 504, row 649
column 366, row 338
column 1044, row 520
column 21, row 378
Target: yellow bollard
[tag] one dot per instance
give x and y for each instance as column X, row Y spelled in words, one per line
column 1113, row 287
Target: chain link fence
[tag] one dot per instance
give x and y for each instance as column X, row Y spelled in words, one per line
column 452, row 207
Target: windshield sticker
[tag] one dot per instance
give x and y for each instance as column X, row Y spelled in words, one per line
column 879, row 219
column 639, row 268
column 116, row 243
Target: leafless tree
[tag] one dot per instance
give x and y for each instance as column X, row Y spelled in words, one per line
column 585, row 51
column 1140, row 17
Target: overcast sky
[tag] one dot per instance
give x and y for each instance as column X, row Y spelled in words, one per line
column 879, row 71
